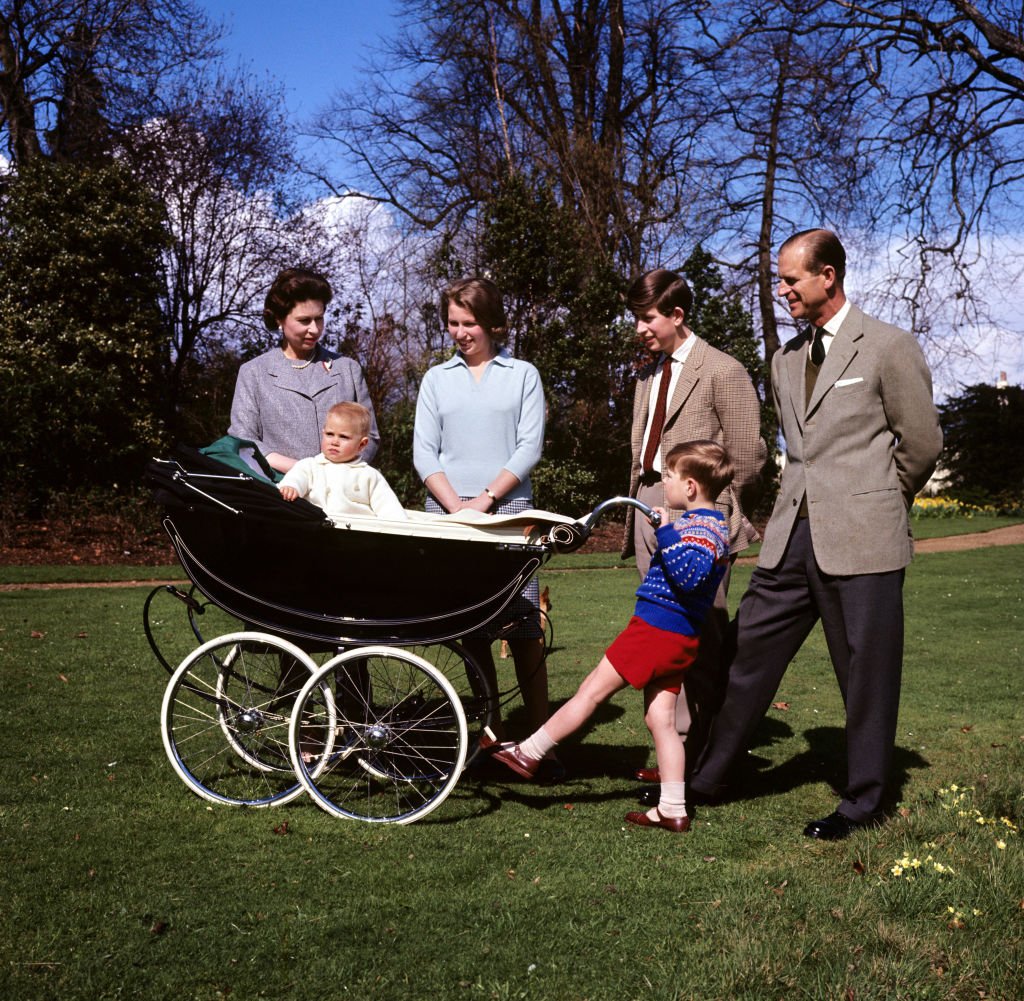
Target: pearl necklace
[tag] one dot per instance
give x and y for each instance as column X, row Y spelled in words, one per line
column 309, row 361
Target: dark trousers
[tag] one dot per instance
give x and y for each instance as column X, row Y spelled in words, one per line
column 862, row 617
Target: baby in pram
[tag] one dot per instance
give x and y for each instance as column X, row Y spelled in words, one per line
column 337, row 480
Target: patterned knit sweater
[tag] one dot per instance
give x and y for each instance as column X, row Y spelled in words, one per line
column 687, row 568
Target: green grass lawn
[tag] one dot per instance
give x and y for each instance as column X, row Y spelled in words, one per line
column 119, row 883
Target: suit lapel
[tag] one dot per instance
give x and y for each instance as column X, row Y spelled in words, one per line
column 792, row 369
column 688, row 378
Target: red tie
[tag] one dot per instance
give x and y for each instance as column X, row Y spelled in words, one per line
column 654, row 439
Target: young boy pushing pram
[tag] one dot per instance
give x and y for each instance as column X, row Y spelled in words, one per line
column 661, row 639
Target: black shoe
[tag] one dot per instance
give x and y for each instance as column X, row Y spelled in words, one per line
column 837, row 826
column 649, row 796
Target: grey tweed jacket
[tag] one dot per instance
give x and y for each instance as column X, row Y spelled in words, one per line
column 282, row 408
column 860, row 448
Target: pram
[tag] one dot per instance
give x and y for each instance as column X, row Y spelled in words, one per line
column 345, row 679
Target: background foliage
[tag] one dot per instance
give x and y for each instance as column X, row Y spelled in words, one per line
column 560, row 147
column 81, row 337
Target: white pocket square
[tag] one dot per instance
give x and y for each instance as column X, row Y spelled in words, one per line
column 847, row 382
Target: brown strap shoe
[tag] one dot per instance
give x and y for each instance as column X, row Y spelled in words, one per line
column 678, row 825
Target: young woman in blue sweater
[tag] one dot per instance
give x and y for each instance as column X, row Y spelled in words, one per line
column 660, row 642
column 478, row 434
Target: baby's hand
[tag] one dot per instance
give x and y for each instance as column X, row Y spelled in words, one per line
column 289, row 493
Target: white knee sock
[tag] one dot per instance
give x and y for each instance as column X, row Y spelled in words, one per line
column 537, row 745
column 673, row 799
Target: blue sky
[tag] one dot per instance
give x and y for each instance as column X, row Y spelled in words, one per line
column 313, row 47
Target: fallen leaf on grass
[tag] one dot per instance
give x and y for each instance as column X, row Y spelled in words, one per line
column 780, row 705
column 81, row 636
column 858, row 867
column 36, row 634
column 568, row 806
column 966, row 729
column 904, row 812
column 63, row 677
column 158, row 928
column 281, row 828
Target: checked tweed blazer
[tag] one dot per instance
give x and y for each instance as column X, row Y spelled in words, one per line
column 713, row 399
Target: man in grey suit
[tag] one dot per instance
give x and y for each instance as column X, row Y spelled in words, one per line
column 854, row 401
column 705, row 394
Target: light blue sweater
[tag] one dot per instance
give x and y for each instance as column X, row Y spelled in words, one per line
column 469, row 430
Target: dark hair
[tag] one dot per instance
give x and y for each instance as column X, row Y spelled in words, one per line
column 823, row 250
column 291, row 286
column 357, row 416
column 706, row 461
column 662, row 289
column 482, row 298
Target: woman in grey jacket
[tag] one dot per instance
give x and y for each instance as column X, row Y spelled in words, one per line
column 282, row 397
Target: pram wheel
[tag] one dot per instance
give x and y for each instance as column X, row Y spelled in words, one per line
column 479, row 701
column 389, row 747
column 225, row 718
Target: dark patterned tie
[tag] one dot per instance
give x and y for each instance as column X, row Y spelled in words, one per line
column 658, row 422
column 818, row 346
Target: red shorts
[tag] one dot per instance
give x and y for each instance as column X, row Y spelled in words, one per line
column 642, row 654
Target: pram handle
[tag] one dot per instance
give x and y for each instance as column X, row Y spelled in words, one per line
column 591, row 519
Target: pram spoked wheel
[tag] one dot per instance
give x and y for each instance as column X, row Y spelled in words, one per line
column 225, row 718
column 391, row 743
column 478, row 698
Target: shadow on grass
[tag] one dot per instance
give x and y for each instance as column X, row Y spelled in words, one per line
column 587, row 763
column 824, row 760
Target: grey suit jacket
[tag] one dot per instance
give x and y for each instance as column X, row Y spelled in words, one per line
column 713, row 399
column 862, row 447
column 282, row 409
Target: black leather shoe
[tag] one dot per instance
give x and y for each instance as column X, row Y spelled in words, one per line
column 836, row 826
